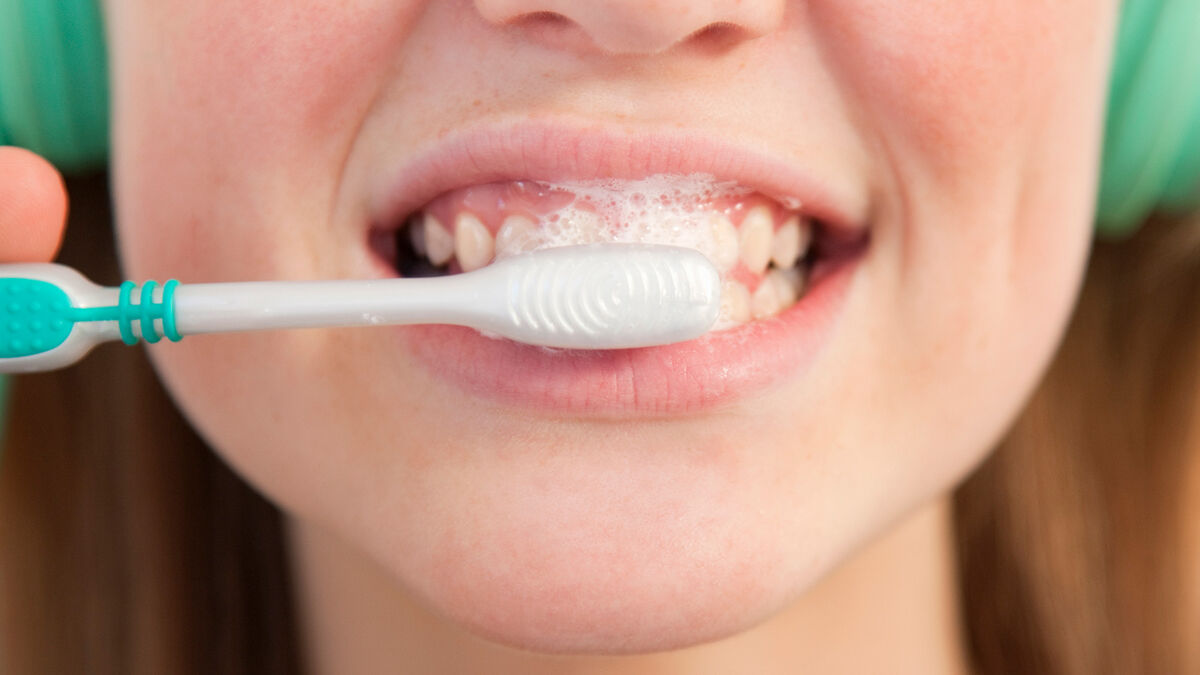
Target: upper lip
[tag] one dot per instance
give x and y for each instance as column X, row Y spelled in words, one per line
column 554, row 151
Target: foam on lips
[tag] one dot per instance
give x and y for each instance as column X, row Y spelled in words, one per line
column 759, row 244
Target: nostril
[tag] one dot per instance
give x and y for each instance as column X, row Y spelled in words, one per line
column 550, row 28
column 629, row 27
column 718, row 37
column 542, row 20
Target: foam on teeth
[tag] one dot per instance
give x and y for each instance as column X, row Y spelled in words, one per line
column 668, row 209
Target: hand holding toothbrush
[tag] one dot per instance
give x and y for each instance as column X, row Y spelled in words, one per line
column 598, row 296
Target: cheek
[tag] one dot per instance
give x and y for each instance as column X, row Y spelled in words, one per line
column 231, row 121
column 954, row 80
column 986, row 121
column 246, row 106
column 281, row 71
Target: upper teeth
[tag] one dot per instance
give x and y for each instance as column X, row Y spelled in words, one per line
column 516, row 235
column 473, row 244
column 789, row 243
column 725, row 243
column 755, row 239
column 439, row 243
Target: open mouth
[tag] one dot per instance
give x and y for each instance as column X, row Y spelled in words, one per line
column 788, row 243
column 770, row 252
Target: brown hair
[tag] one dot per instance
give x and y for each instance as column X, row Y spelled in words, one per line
column 128, row 547
column 1072, row 538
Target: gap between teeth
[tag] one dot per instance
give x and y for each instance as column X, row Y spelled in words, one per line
column 755, row 249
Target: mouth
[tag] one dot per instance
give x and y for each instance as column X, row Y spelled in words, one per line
column 785, row 249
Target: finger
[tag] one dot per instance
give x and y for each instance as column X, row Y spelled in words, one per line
column 33, row 207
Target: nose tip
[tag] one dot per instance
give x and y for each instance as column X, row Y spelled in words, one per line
column 642, row 26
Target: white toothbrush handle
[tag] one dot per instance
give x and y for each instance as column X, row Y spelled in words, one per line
column 261, row 305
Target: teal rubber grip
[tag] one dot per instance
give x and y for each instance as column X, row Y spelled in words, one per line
column 34, row 317
column 37, row 316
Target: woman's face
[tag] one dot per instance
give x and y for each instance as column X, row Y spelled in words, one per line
column 632, row 501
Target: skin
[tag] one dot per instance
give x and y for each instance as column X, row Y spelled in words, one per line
column 783, row 531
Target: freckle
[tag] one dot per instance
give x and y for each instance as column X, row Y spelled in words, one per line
column 476, row 103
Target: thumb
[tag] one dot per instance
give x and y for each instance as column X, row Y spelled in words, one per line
column 33, row 207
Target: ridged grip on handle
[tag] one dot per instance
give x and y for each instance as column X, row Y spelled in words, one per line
column 612, row 297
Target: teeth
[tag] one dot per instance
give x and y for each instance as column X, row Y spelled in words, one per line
column 756, row 245
column 416, row 235
column 516, row 235
column 779, row 290
column 766, row 301
column 473, row 244
column 788, row 284
column 725, row 243
column 790, row 242
column 755, row 239
column 735, row 302
column 439, row 243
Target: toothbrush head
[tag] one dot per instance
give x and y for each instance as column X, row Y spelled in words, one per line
column 610, row 296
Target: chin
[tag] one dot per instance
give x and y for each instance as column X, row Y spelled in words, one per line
column 618, row 548
column 559, row 595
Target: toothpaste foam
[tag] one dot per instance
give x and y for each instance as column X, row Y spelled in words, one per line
column 669, row 209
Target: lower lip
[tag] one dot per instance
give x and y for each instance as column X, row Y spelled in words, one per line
column 689, row 377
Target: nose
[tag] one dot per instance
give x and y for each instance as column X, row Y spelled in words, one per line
column 643, row 26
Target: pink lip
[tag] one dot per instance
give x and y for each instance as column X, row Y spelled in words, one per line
column 555, row 152
column 689, row 377
column 674, row 379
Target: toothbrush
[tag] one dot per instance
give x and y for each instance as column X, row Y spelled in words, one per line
column 596, row 296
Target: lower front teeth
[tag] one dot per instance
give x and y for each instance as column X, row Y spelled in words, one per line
column 777, row 291
column 735, row 305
